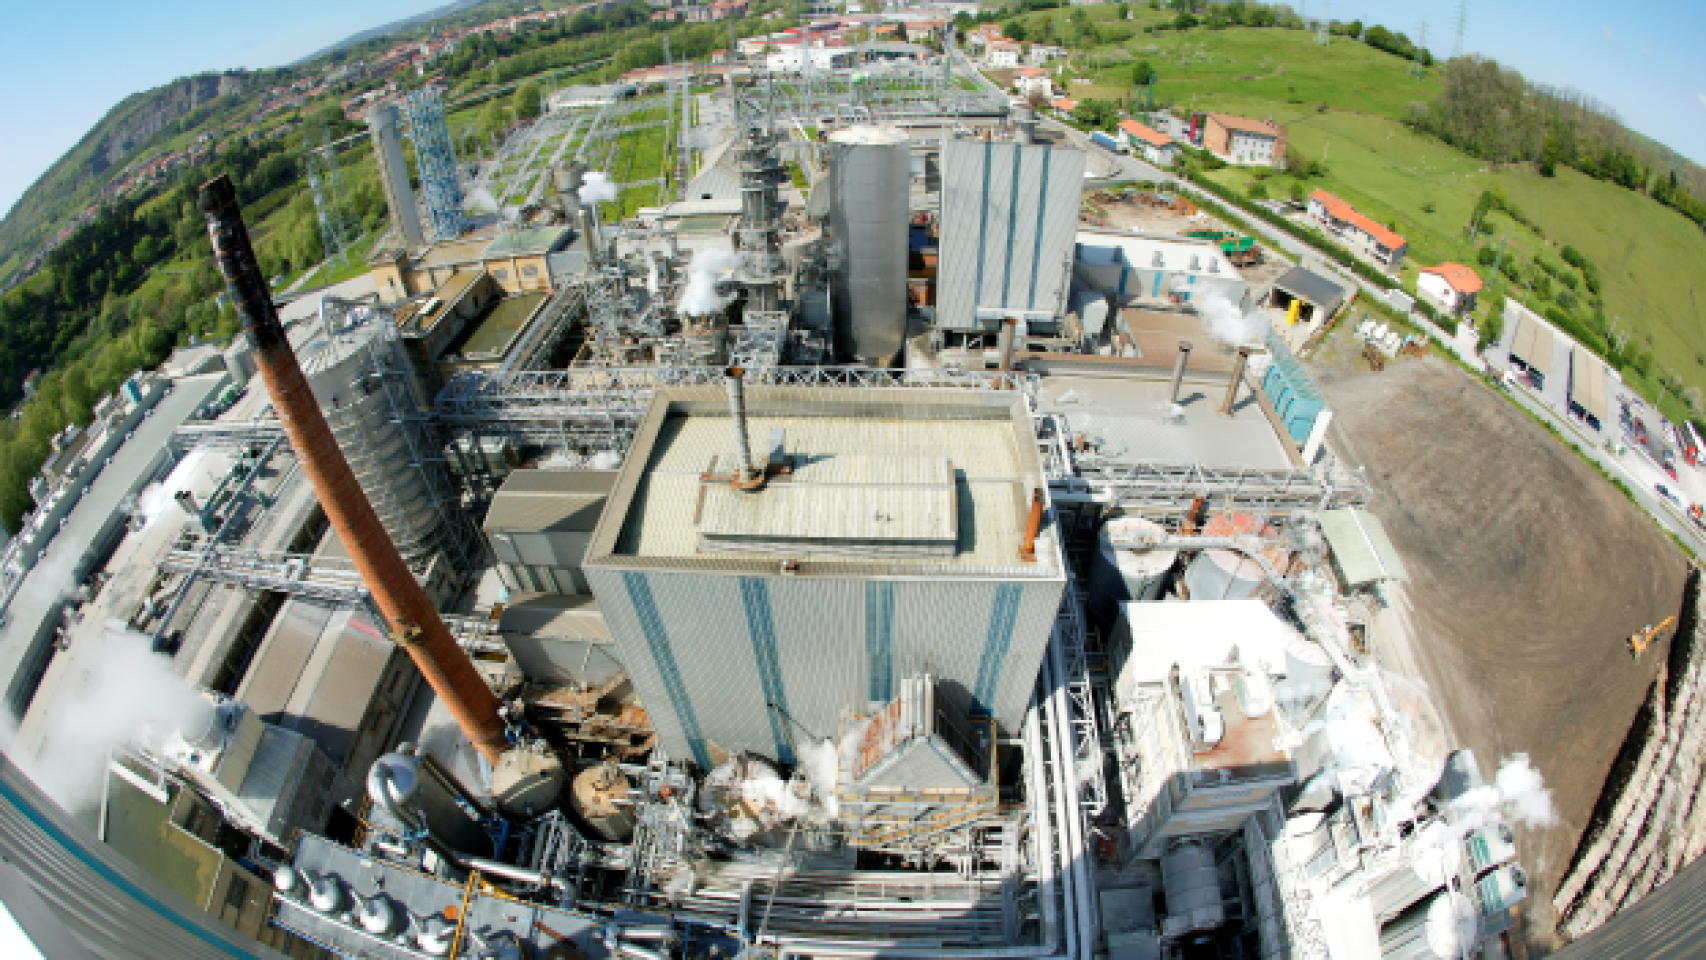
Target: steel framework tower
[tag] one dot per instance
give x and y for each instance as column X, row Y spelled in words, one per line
column 339, row 227
column 439, row 182
column 760, row 225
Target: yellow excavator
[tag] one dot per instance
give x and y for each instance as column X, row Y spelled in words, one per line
column 1638, row 641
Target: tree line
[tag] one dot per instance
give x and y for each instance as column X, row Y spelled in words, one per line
column 1493, row 113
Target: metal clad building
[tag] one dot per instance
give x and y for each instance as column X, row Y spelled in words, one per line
column 1009, row 217
column 750, row 650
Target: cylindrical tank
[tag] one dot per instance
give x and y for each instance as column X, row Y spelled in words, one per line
column 240, row 360
column 869, row 172
column 1123, row 575
column 1308, row 673
column 383, row 124
column 595, row 797
column 1229, row 574
column 403, row 782
column 326, row 894
column 376, row 915
column 343, row 375
column 528, row 781
column 1192, row 885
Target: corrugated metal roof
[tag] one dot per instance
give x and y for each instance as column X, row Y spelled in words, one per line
column 1587, row 382
column 1313, row 287
column 1533, row 344
column 528, row 242
column 554, row 500
column 1360, row 545
column 842, row 503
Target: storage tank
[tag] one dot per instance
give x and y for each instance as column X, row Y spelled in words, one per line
column 418, row 793
column 342, row 362
column 869, row 173
column 599, row 798
column 527, row 781
column 1122, row 575
column 1229, row 574
column 383, row 123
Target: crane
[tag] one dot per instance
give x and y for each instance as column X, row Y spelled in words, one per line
column 1638, row 641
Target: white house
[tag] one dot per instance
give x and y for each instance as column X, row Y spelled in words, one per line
column 1151, row 145
column 788, row 59
column 1450, row 286
column 1361, row 233
column 1032, row 82
column 1042, row 53
column 1003, row 54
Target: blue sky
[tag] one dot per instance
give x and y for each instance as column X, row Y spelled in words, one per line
column 64, row 64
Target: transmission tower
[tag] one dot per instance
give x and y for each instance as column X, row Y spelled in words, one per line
column 1416, row 69
column 1322, row 29
column 437, row 158
column 1462, row 24
column 339, row 227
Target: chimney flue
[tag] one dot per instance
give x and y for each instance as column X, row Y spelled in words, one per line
column 414, row 621
column 1033, row 526
column 1179, row 370
column 745, row 476
column 1237, row 378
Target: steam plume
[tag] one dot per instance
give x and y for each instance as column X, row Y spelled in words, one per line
column 700, row 295
column 596, row 187
column 1227, row 324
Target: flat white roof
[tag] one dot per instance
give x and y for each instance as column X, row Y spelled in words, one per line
column 1163, row 634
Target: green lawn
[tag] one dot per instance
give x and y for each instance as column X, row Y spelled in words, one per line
column 1257, row 71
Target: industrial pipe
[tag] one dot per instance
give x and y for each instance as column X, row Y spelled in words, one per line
column 1033, row 526
column 745, row 477
column 1237, row 378
column 414, row 621
column 1179, row 370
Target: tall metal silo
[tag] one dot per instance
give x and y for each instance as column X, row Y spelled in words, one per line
column 870, row 174
column 385, row 125
column 358, row 372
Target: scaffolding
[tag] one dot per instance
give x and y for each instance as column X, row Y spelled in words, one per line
column 440, row 182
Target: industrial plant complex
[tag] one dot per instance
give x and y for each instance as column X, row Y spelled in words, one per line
column 901, row 564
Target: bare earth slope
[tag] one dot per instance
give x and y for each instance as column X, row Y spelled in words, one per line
column 1528, row 571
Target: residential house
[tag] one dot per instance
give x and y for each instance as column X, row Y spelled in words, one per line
column 719, row 56
column 1361, row 233
column 1152, row 145
column 1242, row 140
column 1042, row 53
column 918, row 31
column 1003, row 54
column 1063, row 106
column 1451, row 287
column 752, row 46
column 1032, row 82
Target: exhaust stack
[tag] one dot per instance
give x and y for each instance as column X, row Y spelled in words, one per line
column 1237, row 379
column 745, row 476
column 1033, row 526
column 414, row 622
column 1179, row 370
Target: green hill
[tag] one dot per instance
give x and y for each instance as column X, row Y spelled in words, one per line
column 1346, row 103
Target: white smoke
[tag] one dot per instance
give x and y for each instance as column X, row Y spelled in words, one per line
column 596, row 187
column 119, row 693
column 1224, row 322
column 821, row 765
column 1517, row 793
column 700, row 296
column 651, row 275
column 480, row 200
column 158, row 501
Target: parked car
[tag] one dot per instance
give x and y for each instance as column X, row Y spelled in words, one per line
column 1664, row 491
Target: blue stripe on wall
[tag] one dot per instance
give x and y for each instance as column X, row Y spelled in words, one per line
column 1001, row 623
column 755, row 596
column 1037, row 250
column 1012, row 226
column 1157, row 291
column 640, row 595
column 1125, row 274
column 982, row 228
column 879, row 639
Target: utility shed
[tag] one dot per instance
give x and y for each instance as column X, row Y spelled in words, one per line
column 1587, row 385
column 1360, row 547
column 800, row 615
column 539, row 524
column 1317, row 293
